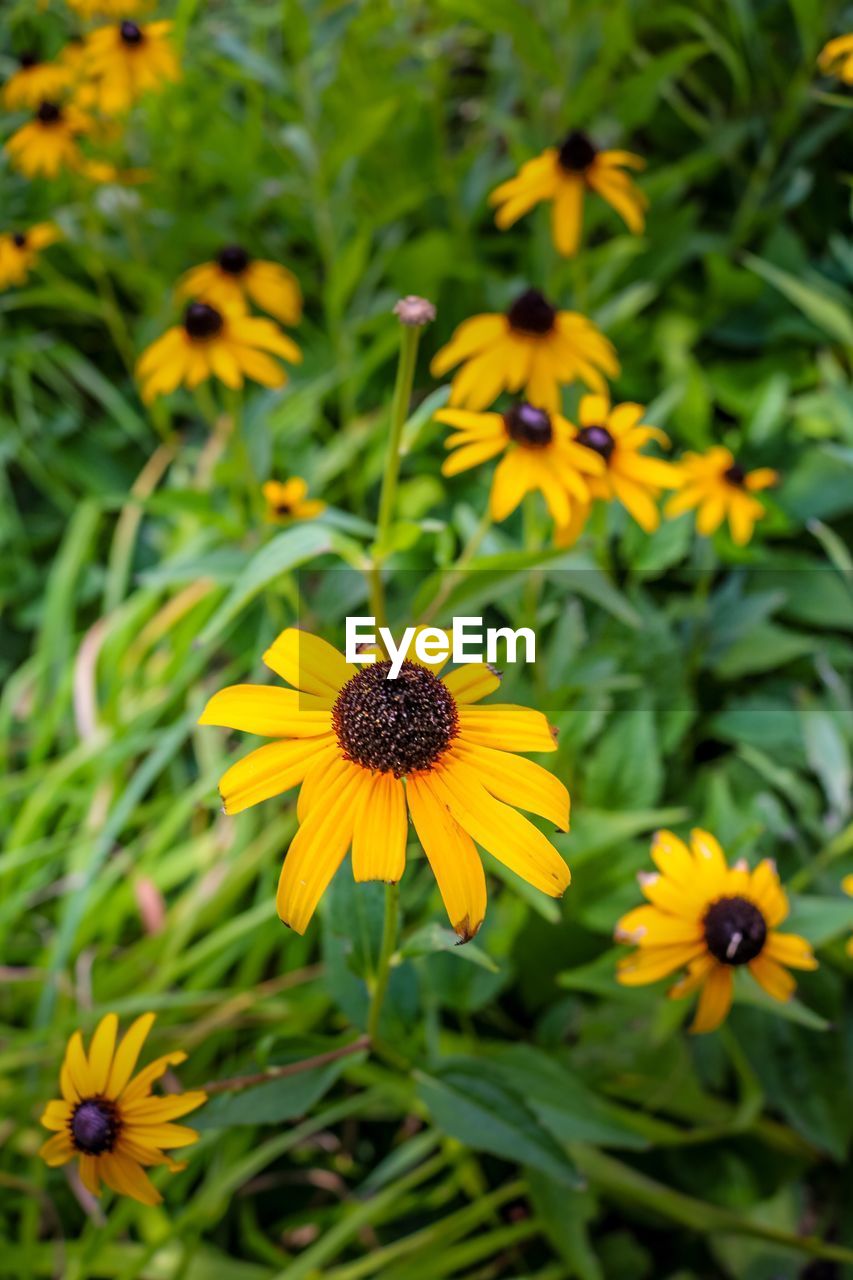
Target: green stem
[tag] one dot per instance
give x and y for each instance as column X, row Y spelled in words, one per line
column 472, row 546
column 383, row 971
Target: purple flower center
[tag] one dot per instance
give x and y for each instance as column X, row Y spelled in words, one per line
column 735, row 475
column 94, row 1126
column 234, row 259
column 598, row 439
column 532, row 313
column 202, row 320
column 735, row 930
column 528, row 425
column 130, row 33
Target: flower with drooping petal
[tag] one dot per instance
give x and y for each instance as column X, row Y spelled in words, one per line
column 235, row 279
column 720, row 488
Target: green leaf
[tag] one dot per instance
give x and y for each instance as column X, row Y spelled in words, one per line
column 817, row 304
column 273, row 1101
column 432, row 937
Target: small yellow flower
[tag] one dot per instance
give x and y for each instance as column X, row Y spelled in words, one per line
column 539, row 453
column 721, row 489
column 48, row 143
column 19, row 252
column 563, row 175
column 288, row 500
column 235, row 279
column 215, row 344
column 533, row 346
column 836, row 58
column 711, row 919
column 366, row 748
column 35, row 82
column 124, row 62
column 110, row 1119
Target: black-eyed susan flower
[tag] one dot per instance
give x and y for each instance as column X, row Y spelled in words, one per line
column 288, row 500
column 19, row 251
column 710, row 919
column 234, row 278
column 215, row 344
column 720, row 488
column 532, row 346
column 836, row 58
column 539, row 453
column 615, row 435
column 109, row 1118
column 35, row 82
column 366, row 747
column 47, row 144
column 564, row 175
column 125, row 61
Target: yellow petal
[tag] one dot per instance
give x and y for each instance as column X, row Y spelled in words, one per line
column 379, row 836
column 269, row 771
column 452, row 856
column 516, row 781
column 268, row 711
column 318, row 848
column 127, row 1054
column 309, row 663
column 101, row 1052
column 506, row 727
column 715, row 1000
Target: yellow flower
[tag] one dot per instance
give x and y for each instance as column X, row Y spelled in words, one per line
column 48, row 143
column 365, row 747
column 110, row 1119
column 720, row 488
column 35, row 82
column 836, row 58
column 539, row 453
column 126, row 61
column 563, row 175
column 108, row 8
column 215, row 344
column 711, row 919
column 288, row 500
column 532, row 346
column 235, row 278
column 19, row 252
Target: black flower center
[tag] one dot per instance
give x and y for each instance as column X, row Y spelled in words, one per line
column 94, row 1126
column 234, row 259
column 735, row 930
column 395, row 726
column 28, row 59
column 735, row 475
column 49, row 113
column 202, row 320
column 598, row 439
column 130, row 33
column 532, row 313
column 577, row 152
column 19, row 240
column 283, row 508
column 527, row 425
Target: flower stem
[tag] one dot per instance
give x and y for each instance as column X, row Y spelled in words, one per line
column 383, row 971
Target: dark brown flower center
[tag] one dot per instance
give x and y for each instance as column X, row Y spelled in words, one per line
column 28, row 59
column 735, row 930
column 49, row 113
column 202, row 320
column 577, row 152
column 19, row 240
column 395, row 726
column 94, row 1126
column 532, row 313
column 598, row 439
column 528, row 425
column 283, row 508
column 735, row 475
column 233, row 259
column 131, row 34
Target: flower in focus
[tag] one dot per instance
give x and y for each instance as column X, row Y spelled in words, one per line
column 35, row 82
column 235, row 278
column 215, row 344
column 19, row 251
column 48, row 142
column 720, row 488
column 288, row 500
column 563, row 175
column 365, row 747
column 110, row 1119
column 532, row 346
column 711, row 919
column 632, row 478
column 539, row 453
column 836, row 58
column 126, row 61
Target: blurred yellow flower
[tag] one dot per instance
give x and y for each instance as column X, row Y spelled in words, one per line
column 847, row 886
column 35, row 82
column 235, row 278
column 836, row 58
column 710, row 918
column 563, row 175
column 215, row 344
column 533, row 346
column 108, row 8
column 19, row 251
column 109, row 1119
column 125, row 61
column 364, row 748
column 48, row 143
column 539, row 453
column 288, row 500
column 721, row 489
